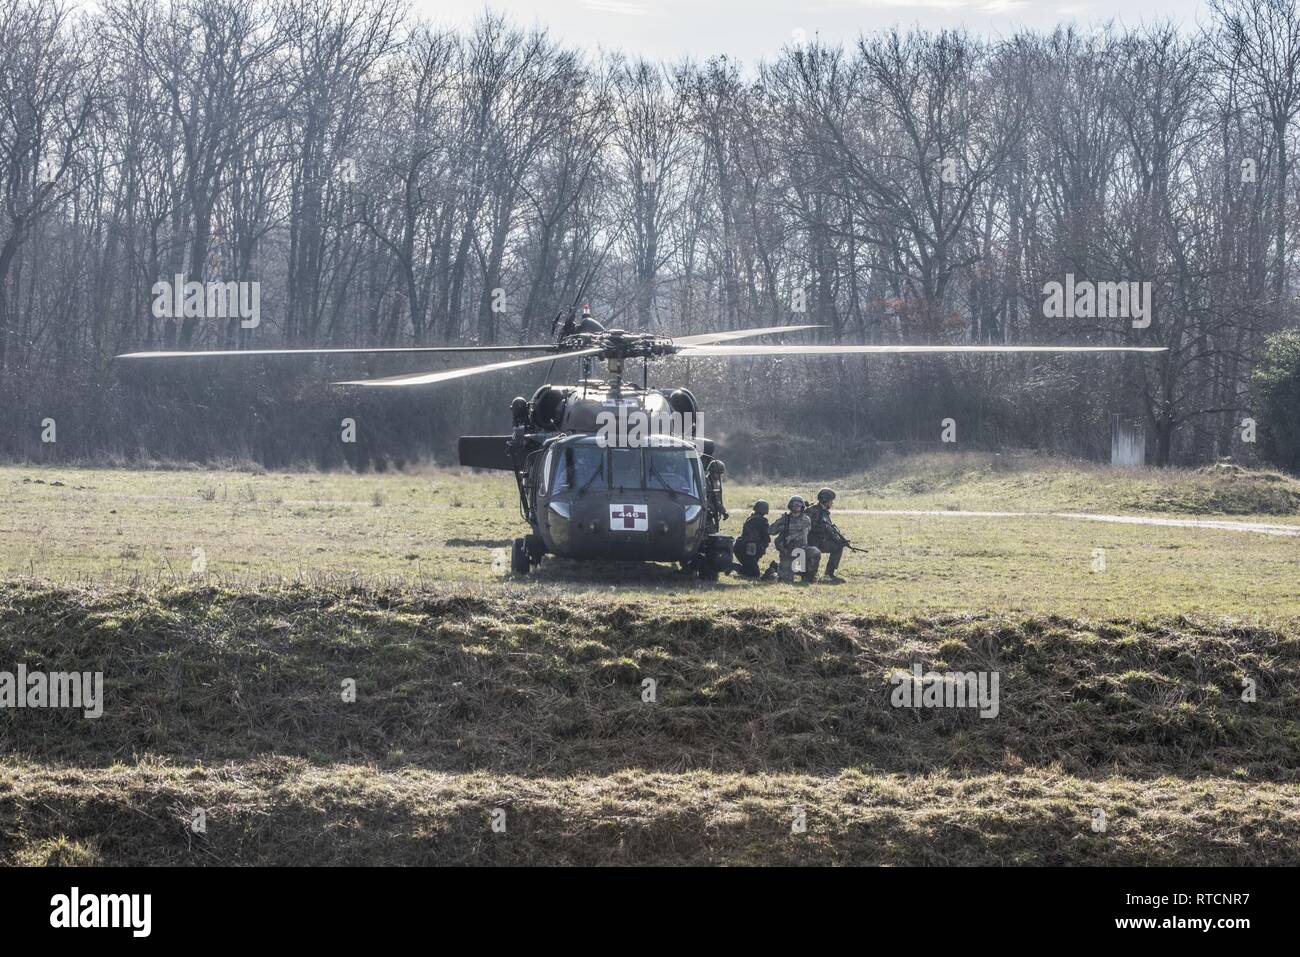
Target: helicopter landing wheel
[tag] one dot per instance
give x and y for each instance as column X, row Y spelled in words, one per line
column 519, row 563
column 535, row 548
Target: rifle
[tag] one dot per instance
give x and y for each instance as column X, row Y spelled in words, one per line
column 839, row 539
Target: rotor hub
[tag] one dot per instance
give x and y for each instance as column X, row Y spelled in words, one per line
column 618, row 344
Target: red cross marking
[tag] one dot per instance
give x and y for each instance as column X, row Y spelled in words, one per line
column 629, row 514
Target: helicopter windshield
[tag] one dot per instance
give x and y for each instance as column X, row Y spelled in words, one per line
column 625, row 468
column 580, row 467
column 671, row 469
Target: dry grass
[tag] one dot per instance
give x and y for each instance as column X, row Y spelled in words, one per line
column 231, row 702
column 289, row 812
column 456, row 683
column 1120, row 691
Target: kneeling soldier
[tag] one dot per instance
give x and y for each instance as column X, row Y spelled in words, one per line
column 824, row 535
column 753, row 542
column 790, row 535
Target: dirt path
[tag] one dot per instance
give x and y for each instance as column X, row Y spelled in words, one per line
column 1259, row 528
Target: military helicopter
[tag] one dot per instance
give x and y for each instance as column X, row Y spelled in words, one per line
column 597, row 494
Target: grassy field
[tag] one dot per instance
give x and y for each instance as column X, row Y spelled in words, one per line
column 449, row 526
column 481, row 698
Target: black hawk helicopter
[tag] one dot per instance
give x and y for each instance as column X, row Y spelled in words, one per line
column 658, row 499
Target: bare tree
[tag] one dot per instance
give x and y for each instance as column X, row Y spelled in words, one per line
column 49, row 99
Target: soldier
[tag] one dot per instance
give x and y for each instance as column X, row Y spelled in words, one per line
column 790, row 535
column 713, row 482
column 828, row 539
column 752, row 543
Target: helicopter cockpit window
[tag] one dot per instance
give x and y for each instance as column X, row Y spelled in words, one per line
column 672, row 469
column 581, row 466
column 625, row 468
column 545, row 481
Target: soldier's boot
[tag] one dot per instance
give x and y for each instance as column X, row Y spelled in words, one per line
column 770, row 573
column 833, row 556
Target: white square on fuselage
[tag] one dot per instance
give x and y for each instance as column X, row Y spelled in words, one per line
column 629, row 518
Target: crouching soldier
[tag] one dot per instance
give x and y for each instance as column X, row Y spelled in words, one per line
column 823, row 535
column 790, row 535
column 753, row 542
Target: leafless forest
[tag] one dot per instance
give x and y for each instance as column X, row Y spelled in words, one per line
column 388, row 182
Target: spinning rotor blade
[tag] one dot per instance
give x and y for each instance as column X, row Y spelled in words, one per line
column 709, row 350
column 330, row 352
column 428, row 378
column 705, row 338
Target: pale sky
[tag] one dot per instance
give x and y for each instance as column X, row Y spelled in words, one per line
column 753, row 29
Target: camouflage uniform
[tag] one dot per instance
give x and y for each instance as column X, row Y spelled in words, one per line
column 825, row 536
column 790, row 531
